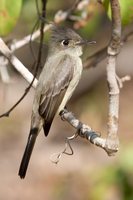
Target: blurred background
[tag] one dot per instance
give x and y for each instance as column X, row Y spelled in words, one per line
column 89, row 173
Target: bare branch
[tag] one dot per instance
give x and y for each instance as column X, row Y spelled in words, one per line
column 16, row 63
column 86, row 132
column 122, row 80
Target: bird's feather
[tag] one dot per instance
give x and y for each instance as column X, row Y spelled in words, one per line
column 27, row 152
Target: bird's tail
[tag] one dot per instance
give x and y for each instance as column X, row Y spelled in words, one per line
column 27, row 153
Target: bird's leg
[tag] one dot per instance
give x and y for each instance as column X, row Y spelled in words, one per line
column 62, row 113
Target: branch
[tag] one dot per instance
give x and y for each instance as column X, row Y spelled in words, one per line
column 86, row 132
column 112, row 141
column 16, row 63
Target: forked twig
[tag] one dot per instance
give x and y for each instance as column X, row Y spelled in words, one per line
column 55, row 158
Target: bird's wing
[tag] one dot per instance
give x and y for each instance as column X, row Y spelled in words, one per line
column 52, row 97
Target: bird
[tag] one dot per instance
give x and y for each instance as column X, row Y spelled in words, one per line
column 59, row 77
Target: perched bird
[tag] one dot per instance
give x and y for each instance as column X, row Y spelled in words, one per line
column 56, row 84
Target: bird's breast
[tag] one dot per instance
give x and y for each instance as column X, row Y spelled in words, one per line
column 73, row 83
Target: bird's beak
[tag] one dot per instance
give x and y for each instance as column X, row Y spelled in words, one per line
column 85, row 42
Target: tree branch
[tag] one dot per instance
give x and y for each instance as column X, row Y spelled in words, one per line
column 16, row 63
column 86, row 131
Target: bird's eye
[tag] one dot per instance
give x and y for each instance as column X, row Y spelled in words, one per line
column 65, row 42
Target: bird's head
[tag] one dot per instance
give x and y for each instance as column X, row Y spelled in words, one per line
column 65, row 40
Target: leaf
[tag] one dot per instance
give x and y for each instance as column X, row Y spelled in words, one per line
column 9, row 13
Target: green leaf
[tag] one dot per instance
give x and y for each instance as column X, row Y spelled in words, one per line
column 9, row 13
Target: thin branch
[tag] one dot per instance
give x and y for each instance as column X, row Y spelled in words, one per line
column 122, row 80
column 16, row 63
column 55, row 158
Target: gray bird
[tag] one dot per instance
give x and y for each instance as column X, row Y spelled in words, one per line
column 56, row 84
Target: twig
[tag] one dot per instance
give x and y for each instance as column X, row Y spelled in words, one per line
column 55, row 158
column 112, row 142
column 122, row 80
column 16, row 63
